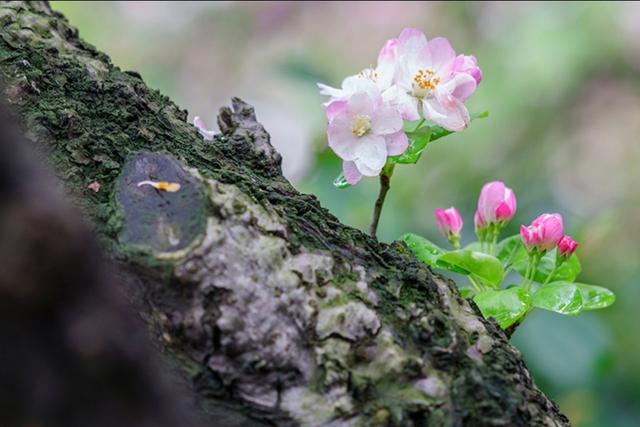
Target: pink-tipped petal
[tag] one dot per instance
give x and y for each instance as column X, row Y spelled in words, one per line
column 545, row 232
column 334, row 108
column 567, row 246
column 497, row 202
column 388, row 52
column 411, row 39
column 465, row 85
column 449, row 221
column 397, row 143
column 441, row 52
column 351, row 173
column 447, row 111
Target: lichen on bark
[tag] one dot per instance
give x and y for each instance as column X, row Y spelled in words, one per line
column 275, row 310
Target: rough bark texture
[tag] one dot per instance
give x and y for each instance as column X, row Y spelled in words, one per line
column 276, row 312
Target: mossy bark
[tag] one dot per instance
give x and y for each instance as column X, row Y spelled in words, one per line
column 276, row 312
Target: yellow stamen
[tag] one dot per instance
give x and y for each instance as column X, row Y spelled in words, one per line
column 426, row 79
column 361, row 125
column 170, row 187
column 370, row 74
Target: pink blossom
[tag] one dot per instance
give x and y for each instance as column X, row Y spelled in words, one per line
column 426, row 80
column 363, row 131
column 544, row 233
column 497, row 203
column 449, row 221
column 376, row 80
column 566, row 247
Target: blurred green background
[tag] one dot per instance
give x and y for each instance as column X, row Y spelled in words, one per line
column 561, row 82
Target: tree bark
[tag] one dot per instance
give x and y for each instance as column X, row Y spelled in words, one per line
column 276, row 313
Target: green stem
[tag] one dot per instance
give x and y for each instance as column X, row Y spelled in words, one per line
column 420, row 123
column 385, row 185
column 550, row 276
column 494, row 240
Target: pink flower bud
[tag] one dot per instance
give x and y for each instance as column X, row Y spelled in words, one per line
column 530, row 236
column 449, row 221
column 566, row 247
column 544, row 233
column 497, row 203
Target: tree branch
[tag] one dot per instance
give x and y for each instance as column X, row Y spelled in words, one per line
column 271, row 307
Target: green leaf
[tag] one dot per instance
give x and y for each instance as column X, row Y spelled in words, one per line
column 467, row 292
column 423, row 249
column 341, row 182
column 511, row 250
column 418, row 141
column 561, row 297
column 473, row 246
column 595, row 297
column 486, row 268
column 567, row 272
column 507, row 306
column 420, row 138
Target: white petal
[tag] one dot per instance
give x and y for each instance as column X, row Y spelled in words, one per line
column 202, row 129
column 371, row 155
column 407, row 105
column 341, row 139
column 386, row 120
column 397, row 143
column 447, row 111
column 351, row 172
column 361, row 103
column 330, row 91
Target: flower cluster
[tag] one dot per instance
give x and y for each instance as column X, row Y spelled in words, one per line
column 414, row 79
column 497, row 204
column 541, row 254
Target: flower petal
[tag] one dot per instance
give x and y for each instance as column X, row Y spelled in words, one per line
column 202, row 129
column 351, row 172
column 406, row 104
column 465, row 86
column 387, row 64
column 371, row 155
column 447, row 111
column 341, row 139
column 441, row 52
column 386, row 120
column 397, row 143
column 330, row 91
column 334, row 108
column 361, row 103
column 411, row 39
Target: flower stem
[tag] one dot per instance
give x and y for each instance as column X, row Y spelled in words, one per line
column 385, row 185
column 553, row 272
column 420, row 123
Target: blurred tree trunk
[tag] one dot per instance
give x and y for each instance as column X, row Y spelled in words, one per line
column 273, row 310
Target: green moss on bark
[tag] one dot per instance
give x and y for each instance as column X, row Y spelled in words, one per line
column 409, row 351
